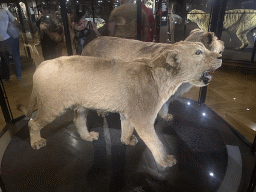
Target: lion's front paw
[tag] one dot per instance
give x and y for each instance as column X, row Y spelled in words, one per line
column 131, row 141
column 39, row 144
column 168, row 117
column 93, row 136
column 171, row 160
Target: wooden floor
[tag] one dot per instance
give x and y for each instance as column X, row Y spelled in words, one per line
column 231, row 94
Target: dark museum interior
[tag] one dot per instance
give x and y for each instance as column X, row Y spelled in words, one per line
column 212, row 130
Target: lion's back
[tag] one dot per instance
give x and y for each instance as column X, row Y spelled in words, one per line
column 120, row 48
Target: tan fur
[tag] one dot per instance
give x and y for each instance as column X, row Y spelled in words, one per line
column 129, row 50
column 136, row 90
column 240, row 20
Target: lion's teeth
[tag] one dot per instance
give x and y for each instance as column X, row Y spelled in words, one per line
column 207, row 76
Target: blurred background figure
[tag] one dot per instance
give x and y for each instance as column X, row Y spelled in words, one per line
column 123, row 21
column 151, row 22
column 51, row 33
column 9, row 44
column 82, row 28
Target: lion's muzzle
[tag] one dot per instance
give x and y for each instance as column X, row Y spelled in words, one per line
column 206, row 76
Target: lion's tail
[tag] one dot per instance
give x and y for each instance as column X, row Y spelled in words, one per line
column 32, row 102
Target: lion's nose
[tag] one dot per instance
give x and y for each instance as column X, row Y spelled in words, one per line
column 219, row 57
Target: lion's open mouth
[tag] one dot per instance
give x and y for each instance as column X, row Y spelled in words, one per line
column 206, row 77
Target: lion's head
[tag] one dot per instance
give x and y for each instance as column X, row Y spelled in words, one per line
column 209, row 40
column 191, row 62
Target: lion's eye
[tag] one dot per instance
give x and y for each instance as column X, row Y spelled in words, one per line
column 220, row 52
column 199, row 52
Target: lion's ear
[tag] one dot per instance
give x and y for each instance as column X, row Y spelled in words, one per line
column 173, row 58
column 209, row 37
column 169, row 57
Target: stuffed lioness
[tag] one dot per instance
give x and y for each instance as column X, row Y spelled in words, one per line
column 129, row 50
column 135, row 90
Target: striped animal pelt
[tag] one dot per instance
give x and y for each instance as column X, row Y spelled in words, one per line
column 241, row 21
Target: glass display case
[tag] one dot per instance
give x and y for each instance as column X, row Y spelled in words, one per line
column 207, row 146
column 237, row 30
column 174, row 20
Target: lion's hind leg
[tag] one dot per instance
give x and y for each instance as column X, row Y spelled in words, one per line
column 80, row 123
column 35, row 126
column 127, row 137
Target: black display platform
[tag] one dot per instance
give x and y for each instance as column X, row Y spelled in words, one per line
column 68, row 163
